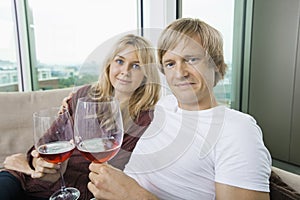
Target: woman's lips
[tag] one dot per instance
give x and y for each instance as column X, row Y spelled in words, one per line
column 122, row 81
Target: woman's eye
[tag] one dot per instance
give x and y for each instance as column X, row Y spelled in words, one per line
column 135, row 66
column 120, row 62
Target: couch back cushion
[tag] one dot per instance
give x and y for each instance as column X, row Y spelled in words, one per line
column 16, row 125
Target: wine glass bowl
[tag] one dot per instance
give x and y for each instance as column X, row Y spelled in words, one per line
column 54, row 141
column 56, row 152
column 98, row 128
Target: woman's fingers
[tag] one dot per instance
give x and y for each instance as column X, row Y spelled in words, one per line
column 46, row 167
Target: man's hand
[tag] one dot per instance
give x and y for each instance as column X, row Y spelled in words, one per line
column 108, row 182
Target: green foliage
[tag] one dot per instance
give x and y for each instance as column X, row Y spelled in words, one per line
column 77, row 81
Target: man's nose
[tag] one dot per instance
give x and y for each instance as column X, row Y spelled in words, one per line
column 181, row 69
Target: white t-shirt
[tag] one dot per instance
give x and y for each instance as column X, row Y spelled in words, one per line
column 183, row 153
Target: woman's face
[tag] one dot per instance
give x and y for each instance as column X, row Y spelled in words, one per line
column 125, row 72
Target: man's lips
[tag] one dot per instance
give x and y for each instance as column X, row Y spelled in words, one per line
column 184, row 84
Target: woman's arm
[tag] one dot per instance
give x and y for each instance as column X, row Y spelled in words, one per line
column 18, row 162
column 42, row 169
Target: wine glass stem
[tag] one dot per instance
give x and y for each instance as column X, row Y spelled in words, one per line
column 63, row 184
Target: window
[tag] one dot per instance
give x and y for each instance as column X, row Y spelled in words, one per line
column 8, row 64
column 65, row 33
column 219, row 14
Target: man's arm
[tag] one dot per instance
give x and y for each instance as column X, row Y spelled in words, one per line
column 108, row 182
column 226, row 192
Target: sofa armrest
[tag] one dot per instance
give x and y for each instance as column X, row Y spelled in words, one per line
column 291, row 179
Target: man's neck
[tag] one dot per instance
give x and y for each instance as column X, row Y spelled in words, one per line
column 200, row 105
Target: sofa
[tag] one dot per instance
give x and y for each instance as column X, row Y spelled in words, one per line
column 16, row 125
column 16, row 136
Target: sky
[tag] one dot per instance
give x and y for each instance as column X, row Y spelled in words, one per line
column 7, row 40
column 67, row 31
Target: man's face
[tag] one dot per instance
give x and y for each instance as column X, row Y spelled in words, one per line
column 190, row 75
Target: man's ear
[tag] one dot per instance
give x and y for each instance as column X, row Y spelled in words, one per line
column 217, row 74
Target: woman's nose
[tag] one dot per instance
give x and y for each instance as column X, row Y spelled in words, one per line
column 125, row 68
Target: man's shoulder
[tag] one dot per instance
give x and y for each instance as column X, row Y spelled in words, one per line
column 240, row 125
column 235, row 115
column 168, row 101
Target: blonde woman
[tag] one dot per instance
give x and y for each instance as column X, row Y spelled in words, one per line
column 130, row 75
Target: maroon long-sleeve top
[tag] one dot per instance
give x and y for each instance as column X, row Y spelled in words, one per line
column 77, row 171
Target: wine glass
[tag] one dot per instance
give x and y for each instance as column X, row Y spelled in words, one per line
column 54, row 140
column 98, row 128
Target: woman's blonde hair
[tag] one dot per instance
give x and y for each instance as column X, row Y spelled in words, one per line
column 188, row 28
column 144, row 97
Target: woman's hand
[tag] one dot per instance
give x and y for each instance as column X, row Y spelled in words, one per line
column 18, row 162
column 46, row 171
column 64, row 103
column 108, row 182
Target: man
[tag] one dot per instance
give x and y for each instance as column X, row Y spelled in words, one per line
column 194, row 148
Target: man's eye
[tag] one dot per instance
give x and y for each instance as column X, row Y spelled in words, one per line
column 169, row 65
column 136, row 66
column 193, row 60
column 119, row 61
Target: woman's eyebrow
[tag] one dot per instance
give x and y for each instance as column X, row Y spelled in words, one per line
column 119, row 56
column 122, row 57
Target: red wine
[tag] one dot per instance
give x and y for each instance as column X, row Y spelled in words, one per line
column 56, row 152
column 99, row 150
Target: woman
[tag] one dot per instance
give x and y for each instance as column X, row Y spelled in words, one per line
column 130, row 75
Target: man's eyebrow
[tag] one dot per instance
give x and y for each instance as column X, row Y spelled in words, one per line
column 193, row 55
column 167, row 60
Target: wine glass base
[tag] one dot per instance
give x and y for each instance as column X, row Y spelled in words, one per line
column 68, row 193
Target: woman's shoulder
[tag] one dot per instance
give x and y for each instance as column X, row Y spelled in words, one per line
column 82, row 91
column 145, row 117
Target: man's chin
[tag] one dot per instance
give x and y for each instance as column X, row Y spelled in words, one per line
column 186, row 98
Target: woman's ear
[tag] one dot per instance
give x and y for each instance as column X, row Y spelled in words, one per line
column 144, row 80
column 217, row 68
column 161, row 68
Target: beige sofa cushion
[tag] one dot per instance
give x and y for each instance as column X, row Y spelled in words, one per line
column 291, row 179
column 16, row 109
